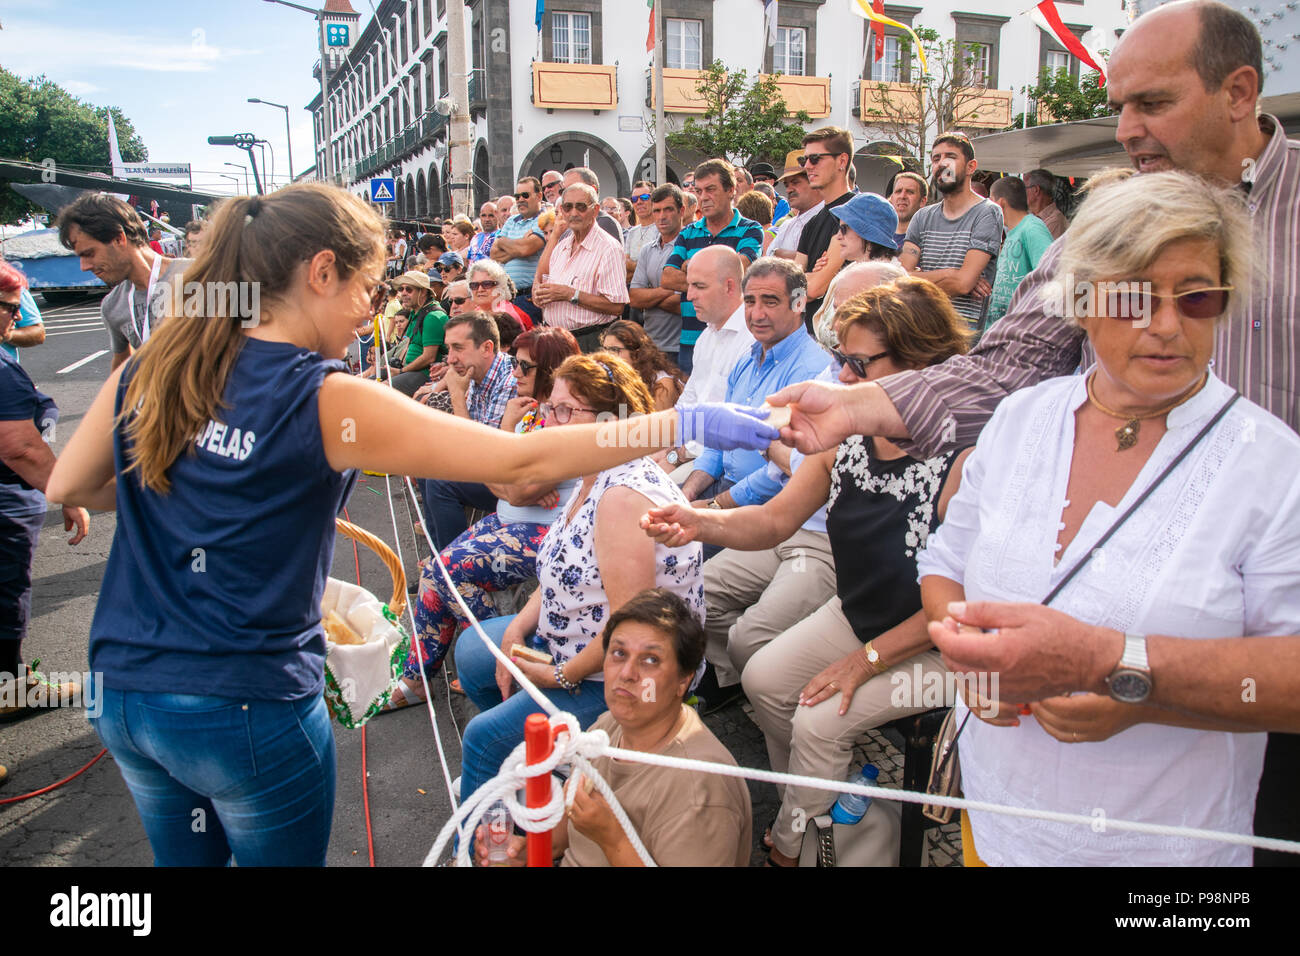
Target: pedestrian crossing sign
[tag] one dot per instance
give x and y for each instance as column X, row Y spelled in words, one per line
column 383, row 190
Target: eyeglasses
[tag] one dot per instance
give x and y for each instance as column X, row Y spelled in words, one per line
column 448, row 268
column 547, row 187
column 527, row 195
column 616, row 349
column 524, row 367
column 812, row 159
column 483, row 284
column 843, row 229
column 455, row 300
column 644, row 197
column 1208, row 303
column 562, row 413
column 571, row 206
column 857, row 363
column 12, row 308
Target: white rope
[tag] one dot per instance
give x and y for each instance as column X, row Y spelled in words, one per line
column 382, row 362
column 572, row 747
column 578, row 748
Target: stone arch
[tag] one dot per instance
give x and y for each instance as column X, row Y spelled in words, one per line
column 408, row 211
column 482, row 187
column 435, row 192
column 421, row 196
column 572, row 144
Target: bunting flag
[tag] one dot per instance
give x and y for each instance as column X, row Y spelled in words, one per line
column 650, row 32
column 769, row 9
column 863, row 9
column 1048, row 19
column 541, row 10
column 878, row 28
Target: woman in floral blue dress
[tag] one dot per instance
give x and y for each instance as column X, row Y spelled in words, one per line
column 592, row 560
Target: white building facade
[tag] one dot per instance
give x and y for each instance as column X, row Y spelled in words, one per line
column 578, row 92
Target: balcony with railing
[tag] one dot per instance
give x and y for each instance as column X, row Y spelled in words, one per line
column 681, row 92
column 894, row 102
column 477, row 89
column 983, row 108
column 574, row 86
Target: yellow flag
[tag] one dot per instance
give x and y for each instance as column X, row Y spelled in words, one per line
column 863, row 9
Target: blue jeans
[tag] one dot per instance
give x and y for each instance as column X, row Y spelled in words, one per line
column 212, row 776
column 18, row 535
column 499, row 727
column 445, row 503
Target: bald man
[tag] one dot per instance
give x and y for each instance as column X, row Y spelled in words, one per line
column 713, row 280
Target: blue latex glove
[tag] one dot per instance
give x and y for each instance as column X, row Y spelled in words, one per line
column 725, row 426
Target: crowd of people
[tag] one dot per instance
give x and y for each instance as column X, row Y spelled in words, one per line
column 1054, row 452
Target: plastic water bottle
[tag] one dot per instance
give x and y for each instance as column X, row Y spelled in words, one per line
column 852, row 807
column 499, row 831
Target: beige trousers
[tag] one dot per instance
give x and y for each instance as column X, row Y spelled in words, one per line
column 817, row 741
column 753, row 596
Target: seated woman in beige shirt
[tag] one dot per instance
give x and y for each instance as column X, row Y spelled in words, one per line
column 653, row 646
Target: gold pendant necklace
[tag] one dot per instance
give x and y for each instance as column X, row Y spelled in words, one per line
column 1126, row 436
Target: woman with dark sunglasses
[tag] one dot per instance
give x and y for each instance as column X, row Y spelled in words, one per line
column 1060, row 477
column 493, row 291
column 500, row 551
column 815, row 598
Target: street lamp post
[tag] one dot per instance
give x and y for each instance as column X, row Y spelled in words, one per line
column 244, row 168
column 287, row 138
column 327, row 130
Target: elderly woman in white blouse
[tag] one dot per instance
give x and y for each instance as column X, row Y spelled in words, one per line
column 1214, row 551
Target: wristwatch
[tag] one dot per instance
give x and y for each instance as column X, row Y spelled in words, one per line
column 1130, row 682
column 673, row 458
column 873, row 658
column 574, row 298
column 713, row 503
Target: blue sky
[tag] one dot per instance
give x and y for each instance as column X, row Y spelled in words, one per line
column 180, row 72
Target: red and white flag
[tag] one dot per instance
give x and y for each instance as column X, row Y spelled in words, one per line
column 1048, row 18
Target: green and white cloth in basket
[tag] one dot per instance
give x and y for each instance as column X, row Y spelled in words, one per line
column 360, row 677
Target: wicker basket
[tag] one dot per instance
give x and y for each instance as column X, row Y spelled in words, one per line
column 359, row 678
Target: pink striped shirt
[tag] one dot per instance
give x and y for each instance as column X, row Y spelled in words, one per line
column 596, row 265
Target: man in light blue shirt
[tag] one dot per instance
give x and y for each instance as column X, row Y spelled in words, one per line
column 775, row 291
column 28, row 330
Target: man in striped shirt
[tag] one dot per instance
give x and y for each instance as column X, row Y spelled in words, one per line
column 587, row 288
column 1185, row 79
column 719, row 224
column 955, row 243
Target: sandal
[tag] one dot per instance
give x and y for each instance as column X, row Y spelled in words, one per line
column 456, row 688
column 401, row 698
column 767, row 834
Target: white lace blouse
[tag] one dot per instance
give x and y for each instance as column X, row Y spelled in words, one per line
column 574, row 604
column 1214, row 552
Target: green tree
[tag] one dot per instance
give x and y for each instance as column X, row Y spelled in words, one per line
column 44, row 121
column 742, row 122
column 922, row 104
column 1064, row 98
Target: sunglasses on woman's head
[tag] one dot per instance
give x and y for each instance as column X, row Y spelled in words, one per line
column 483, row 284
column 1135, row 303
column 857, row 363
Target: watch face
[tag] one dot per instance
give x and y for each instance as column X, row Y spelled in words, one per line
column 1130, row 686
